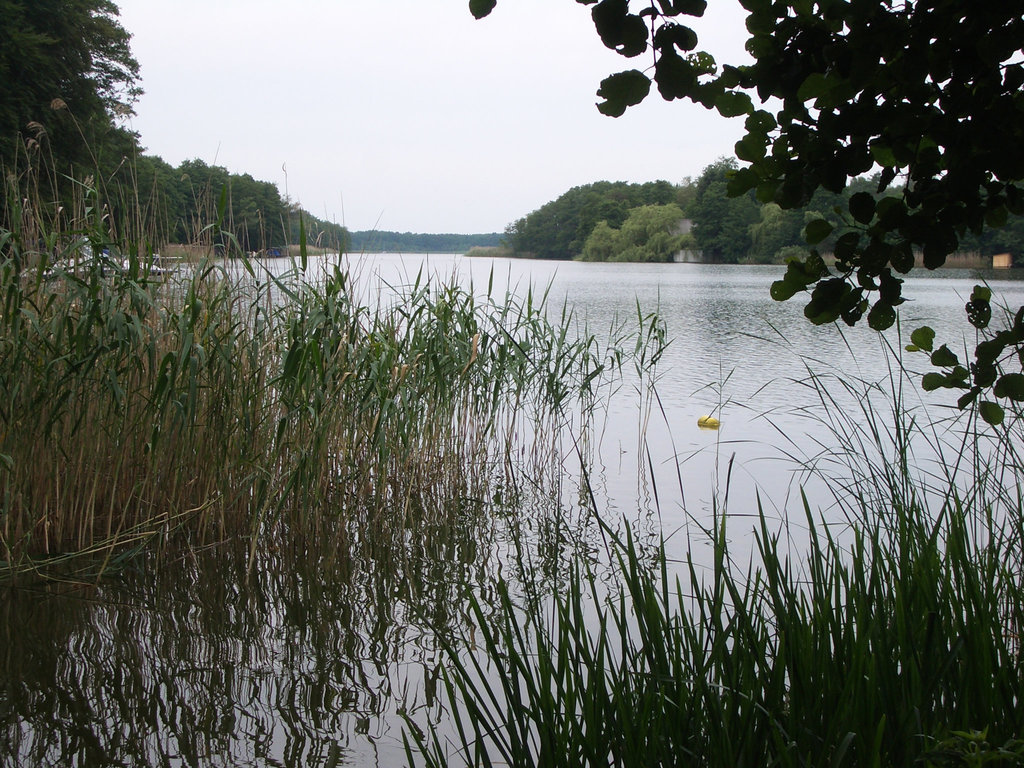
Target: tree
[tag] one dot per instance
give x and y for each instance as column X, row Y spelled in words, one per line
column 602, row 244
column 68, row 76
column 649, row 233
column 654, row 230
column 777, row 229
column 559, row 229
column 722, row 224
column 928, row 92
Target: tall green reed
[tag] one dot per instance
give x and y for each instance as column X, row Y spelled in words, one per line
column 233, row 400
column 890, row 636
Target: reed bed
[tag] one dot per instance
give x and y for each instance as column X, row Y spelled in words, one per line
column 889, row 636
column 228, row 401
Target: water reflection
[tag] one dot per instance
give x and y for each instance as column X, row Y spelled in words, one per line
column 301, row 657
column 308, row 651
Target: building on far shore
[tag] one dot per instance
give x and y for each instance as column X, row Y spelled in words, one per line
column 1002, row 261
column 687, row 255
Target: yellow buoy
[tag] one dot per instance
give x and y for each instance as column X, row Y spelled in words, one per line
column 708, row 422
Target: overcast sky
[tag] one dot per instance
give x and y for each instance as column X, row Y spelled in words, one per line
column 410, row 115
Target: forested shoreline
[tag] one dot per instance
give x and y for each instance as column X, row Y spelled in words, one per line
column 620, row 221
column 374, row 241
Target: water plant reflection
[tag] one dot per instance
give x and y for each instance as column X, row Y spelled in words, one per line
column 302, row 654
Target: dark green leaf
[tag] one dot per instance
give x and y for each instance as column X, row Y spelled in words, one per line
column 814, row 85
column 890, row 288
column 751, row 147
column 609, row 17
column 923, row 337
column 979, row 312
column 862, row 207
column 1011, row 386
column 760, row 122
column 991, row 412
column 988, row 351
column 829, row 299
column 944, row 357
column 783, row 290
column 958, row 376
column 816, row 231
column 766, row 191
column 985, row 374
column 741, row 181
column 883, row 155
column 674, row 75
column 852, row 315
column 691, row 7
column 618, row 29
column 733, row 104
column 931, row 382
column 623, row 90
column 881, row 316
column 902, row 258
column 634, row 37
column 939, row 242
column 967, row 398
column 480, row 8
column 846, row 246
column 671, row 36
column 891, row 211
column 732, row 77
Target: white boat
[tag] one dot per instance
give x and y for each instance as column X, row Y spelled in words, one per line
column 83, row 261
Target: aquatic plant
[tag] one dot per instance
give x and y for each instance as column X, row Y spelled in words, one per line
column 232, row 399
column 889, row 635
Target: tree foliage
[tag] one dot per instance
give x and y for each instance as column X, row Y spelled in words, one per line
column 559, row 229
column 722, row 224
column 68, row 77
column 67, row 80
column 252, row 211
column 179, row 205
column 928, row 92
column 649, row 233
column 382, row 241
column 727, row 229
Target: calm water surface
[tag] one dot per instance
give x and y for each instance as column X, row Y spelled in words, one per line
column 310, row 656
column 756, row 364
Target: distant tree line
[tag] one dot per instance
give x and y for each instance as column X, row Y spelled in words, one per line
column 559, row 229
column 616, row 221
column 372, row 241
column 69, row 80
column 191, row 203
column 186, row 199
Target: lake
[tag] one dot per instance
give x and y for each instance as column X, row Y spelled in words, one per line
column 311, row 658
